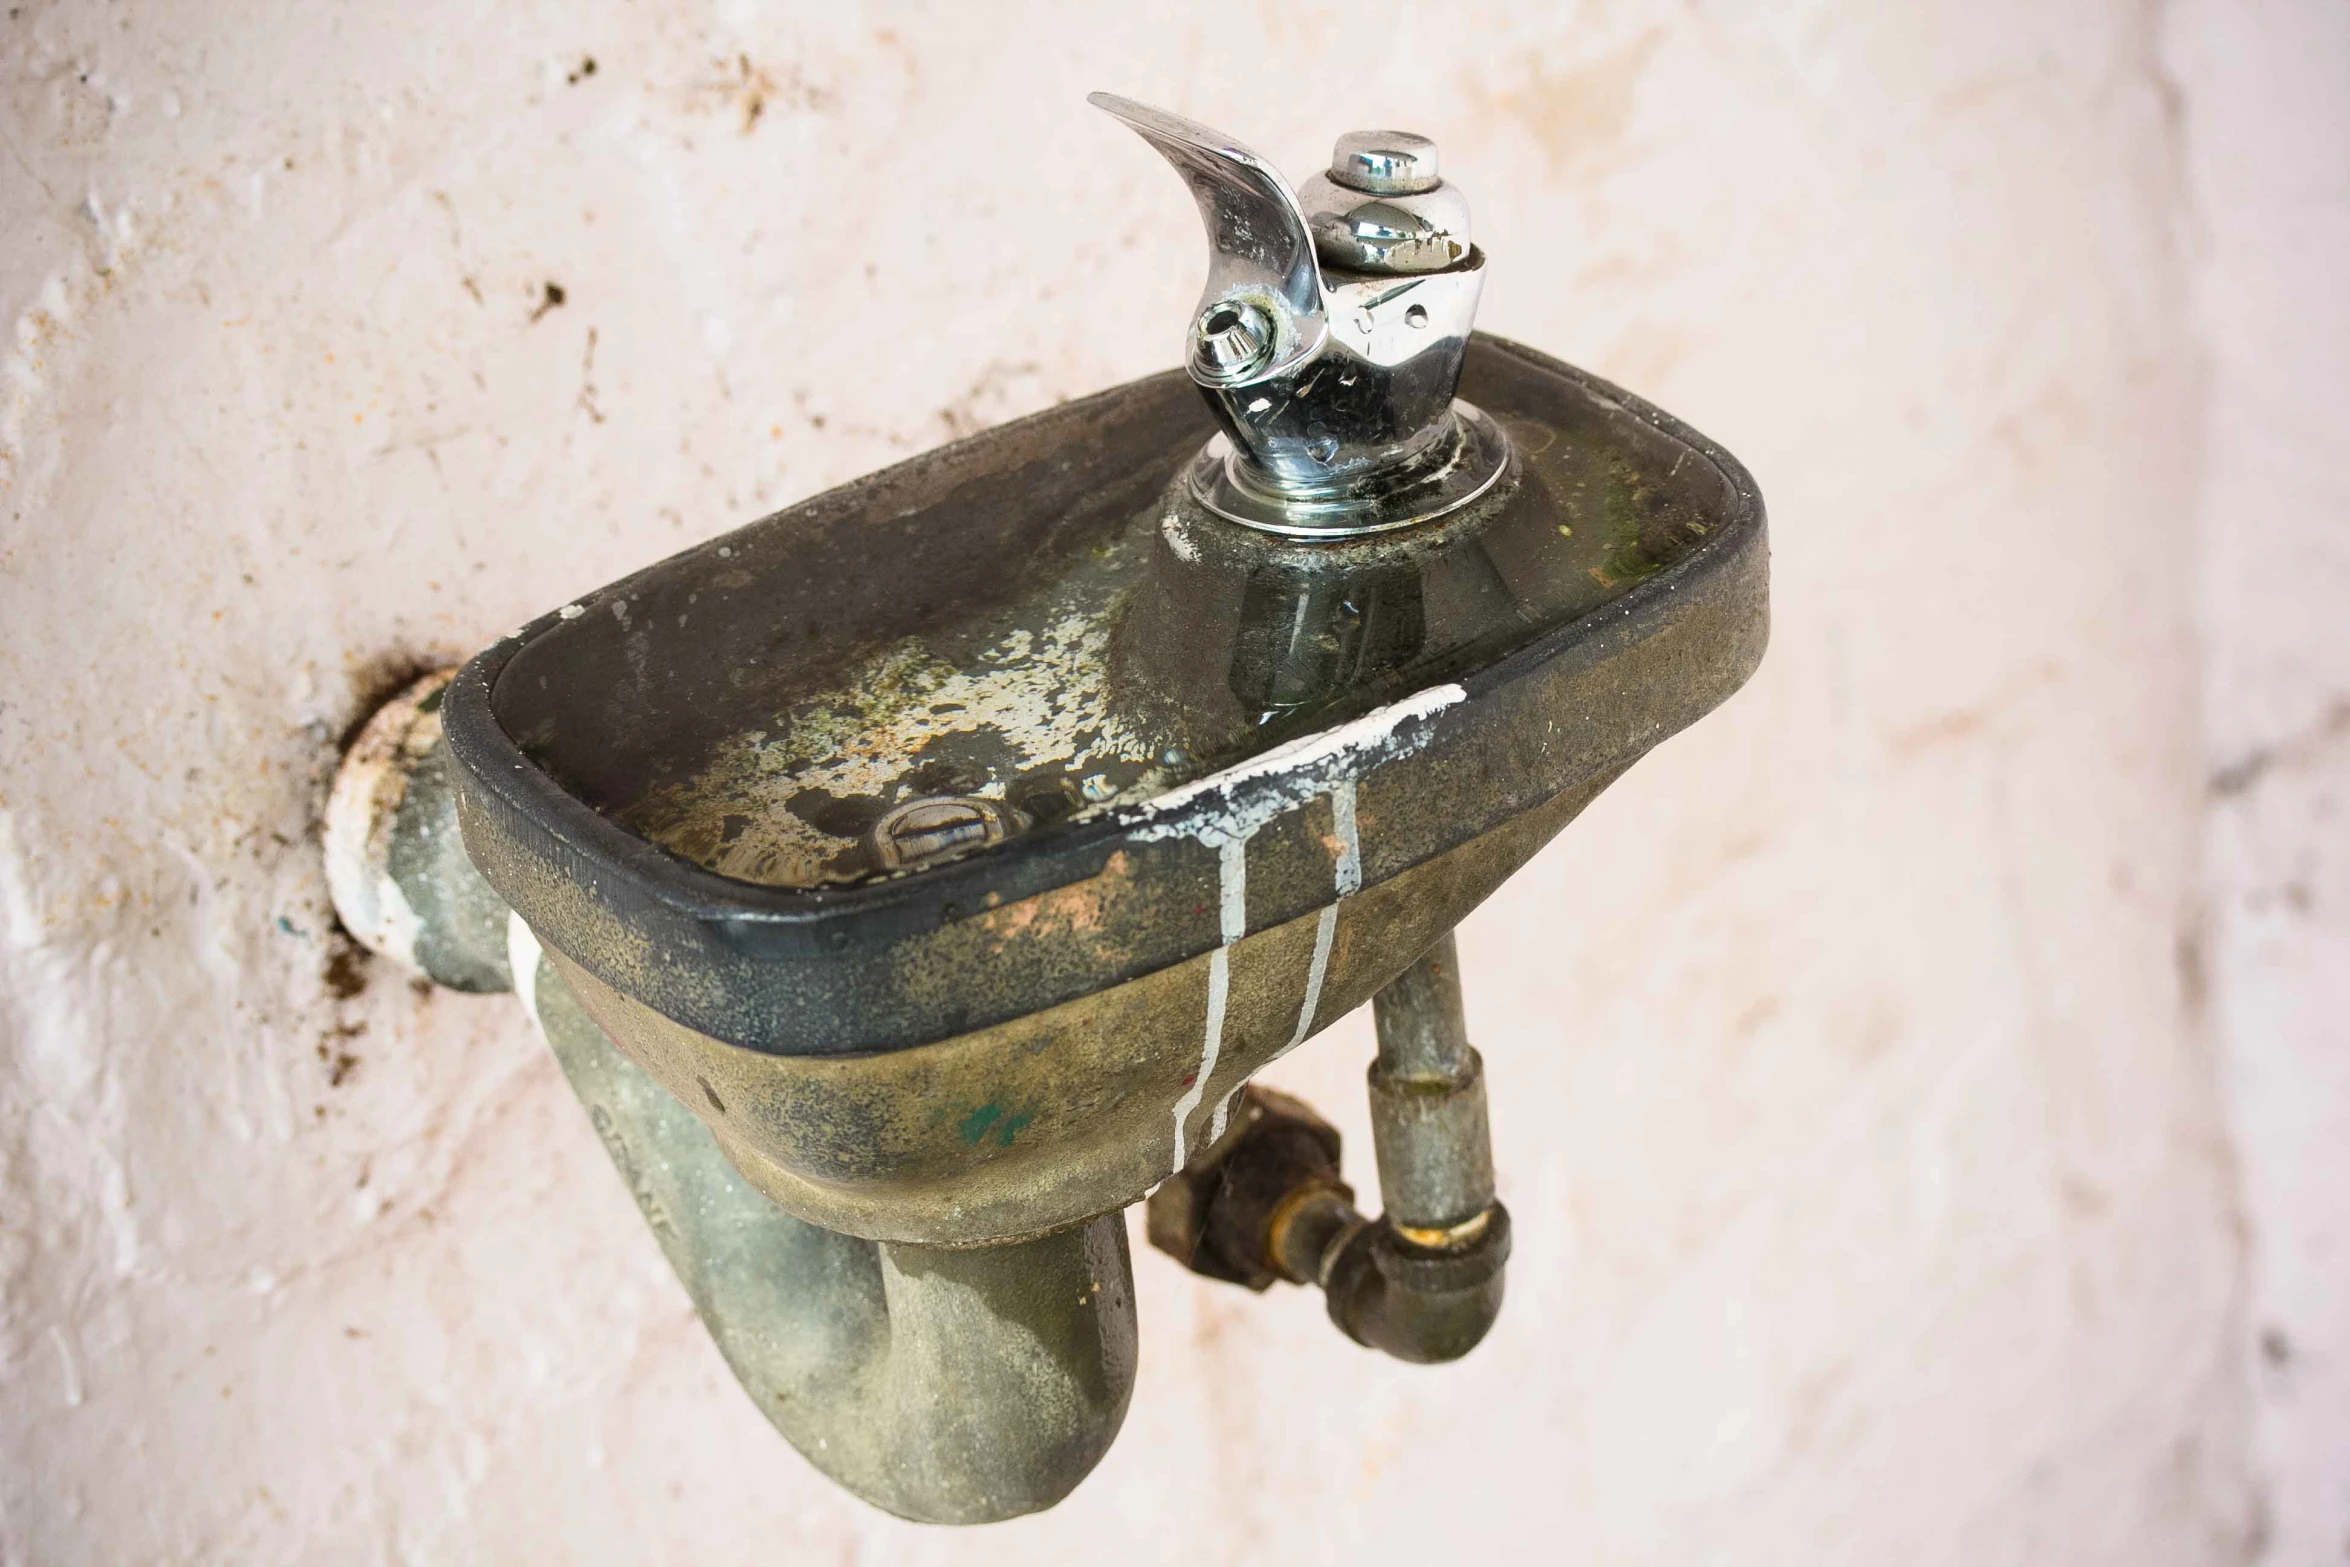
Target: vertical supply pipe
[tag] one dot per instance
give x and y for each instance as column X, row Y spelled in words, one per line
column 1428, row 1120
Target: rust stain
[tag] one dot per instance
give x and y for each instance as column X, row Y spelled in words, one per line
column 1756, row 1014
column 788, row 804
column 1579, row 112
column 1074, row 910
column 745, row 90
column 346, row 971
column 1964, row 723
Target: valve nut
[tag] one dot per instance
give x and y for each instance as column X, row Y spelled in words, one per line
column 1219, row 1213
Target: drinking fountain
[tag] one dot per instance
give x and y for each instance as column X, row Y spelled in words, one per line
column 911, row 880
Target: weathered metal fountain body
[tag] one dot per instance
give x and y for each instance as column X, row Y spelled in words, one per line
column 912, row 880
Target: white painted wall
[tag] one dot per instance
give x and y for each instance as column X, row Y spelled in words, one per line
column 2266, row 93
column 1922, row 1087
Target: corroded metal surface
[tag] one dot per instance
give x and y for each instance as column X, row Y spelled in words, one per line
column 952, row 1387
column 1232, row 1212
column 1606, row 603
column 396, row 865
column 947, row 1386
column 1312, row 760
column 1424, row 1281
column 1064, row 1113
column 1428, row 1120
column 1024, row 717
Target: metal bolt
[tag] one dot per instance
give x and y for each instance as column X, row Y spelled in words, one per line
column 1232, row 338
column 1384, row 163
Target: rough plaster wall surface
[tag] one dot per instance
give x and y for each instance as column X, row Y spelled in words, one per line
column 1875, row 1195
column 2268, row 98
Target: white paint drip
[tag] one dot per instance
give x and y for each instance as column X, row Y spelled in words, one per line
column 1219, row 992
column 522, row 955
column 1224, row 1110
column 1349, row 873
column 1348, row 876
column 1245, row 797
column 1232, row 924
column 1232, row 911
column 1253, row 792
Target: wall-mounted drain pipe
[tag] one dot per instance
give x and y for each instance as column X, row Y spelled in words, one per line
column 944, row 1385
column 1424, row 1281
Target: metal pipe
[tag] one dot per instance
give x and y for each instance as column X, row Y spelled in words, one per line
column 946, row 1386
column 1423, row 1031
column 1425, row 1282
column 1264, row 1201
column 1428, row 1122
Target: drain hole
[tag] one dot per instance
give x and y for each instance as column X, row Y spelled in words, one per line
column 941, row 827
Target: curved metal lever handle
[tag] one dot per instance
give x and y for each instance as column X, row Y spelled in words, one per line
column 1259, row 249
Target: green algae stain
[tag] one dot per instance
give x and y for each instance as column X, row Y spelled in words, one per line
column 1628, row 506
column 990, row 1120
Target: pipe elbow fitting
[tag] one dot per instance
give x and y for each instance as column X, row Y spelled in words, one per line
column 1421, row 1304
